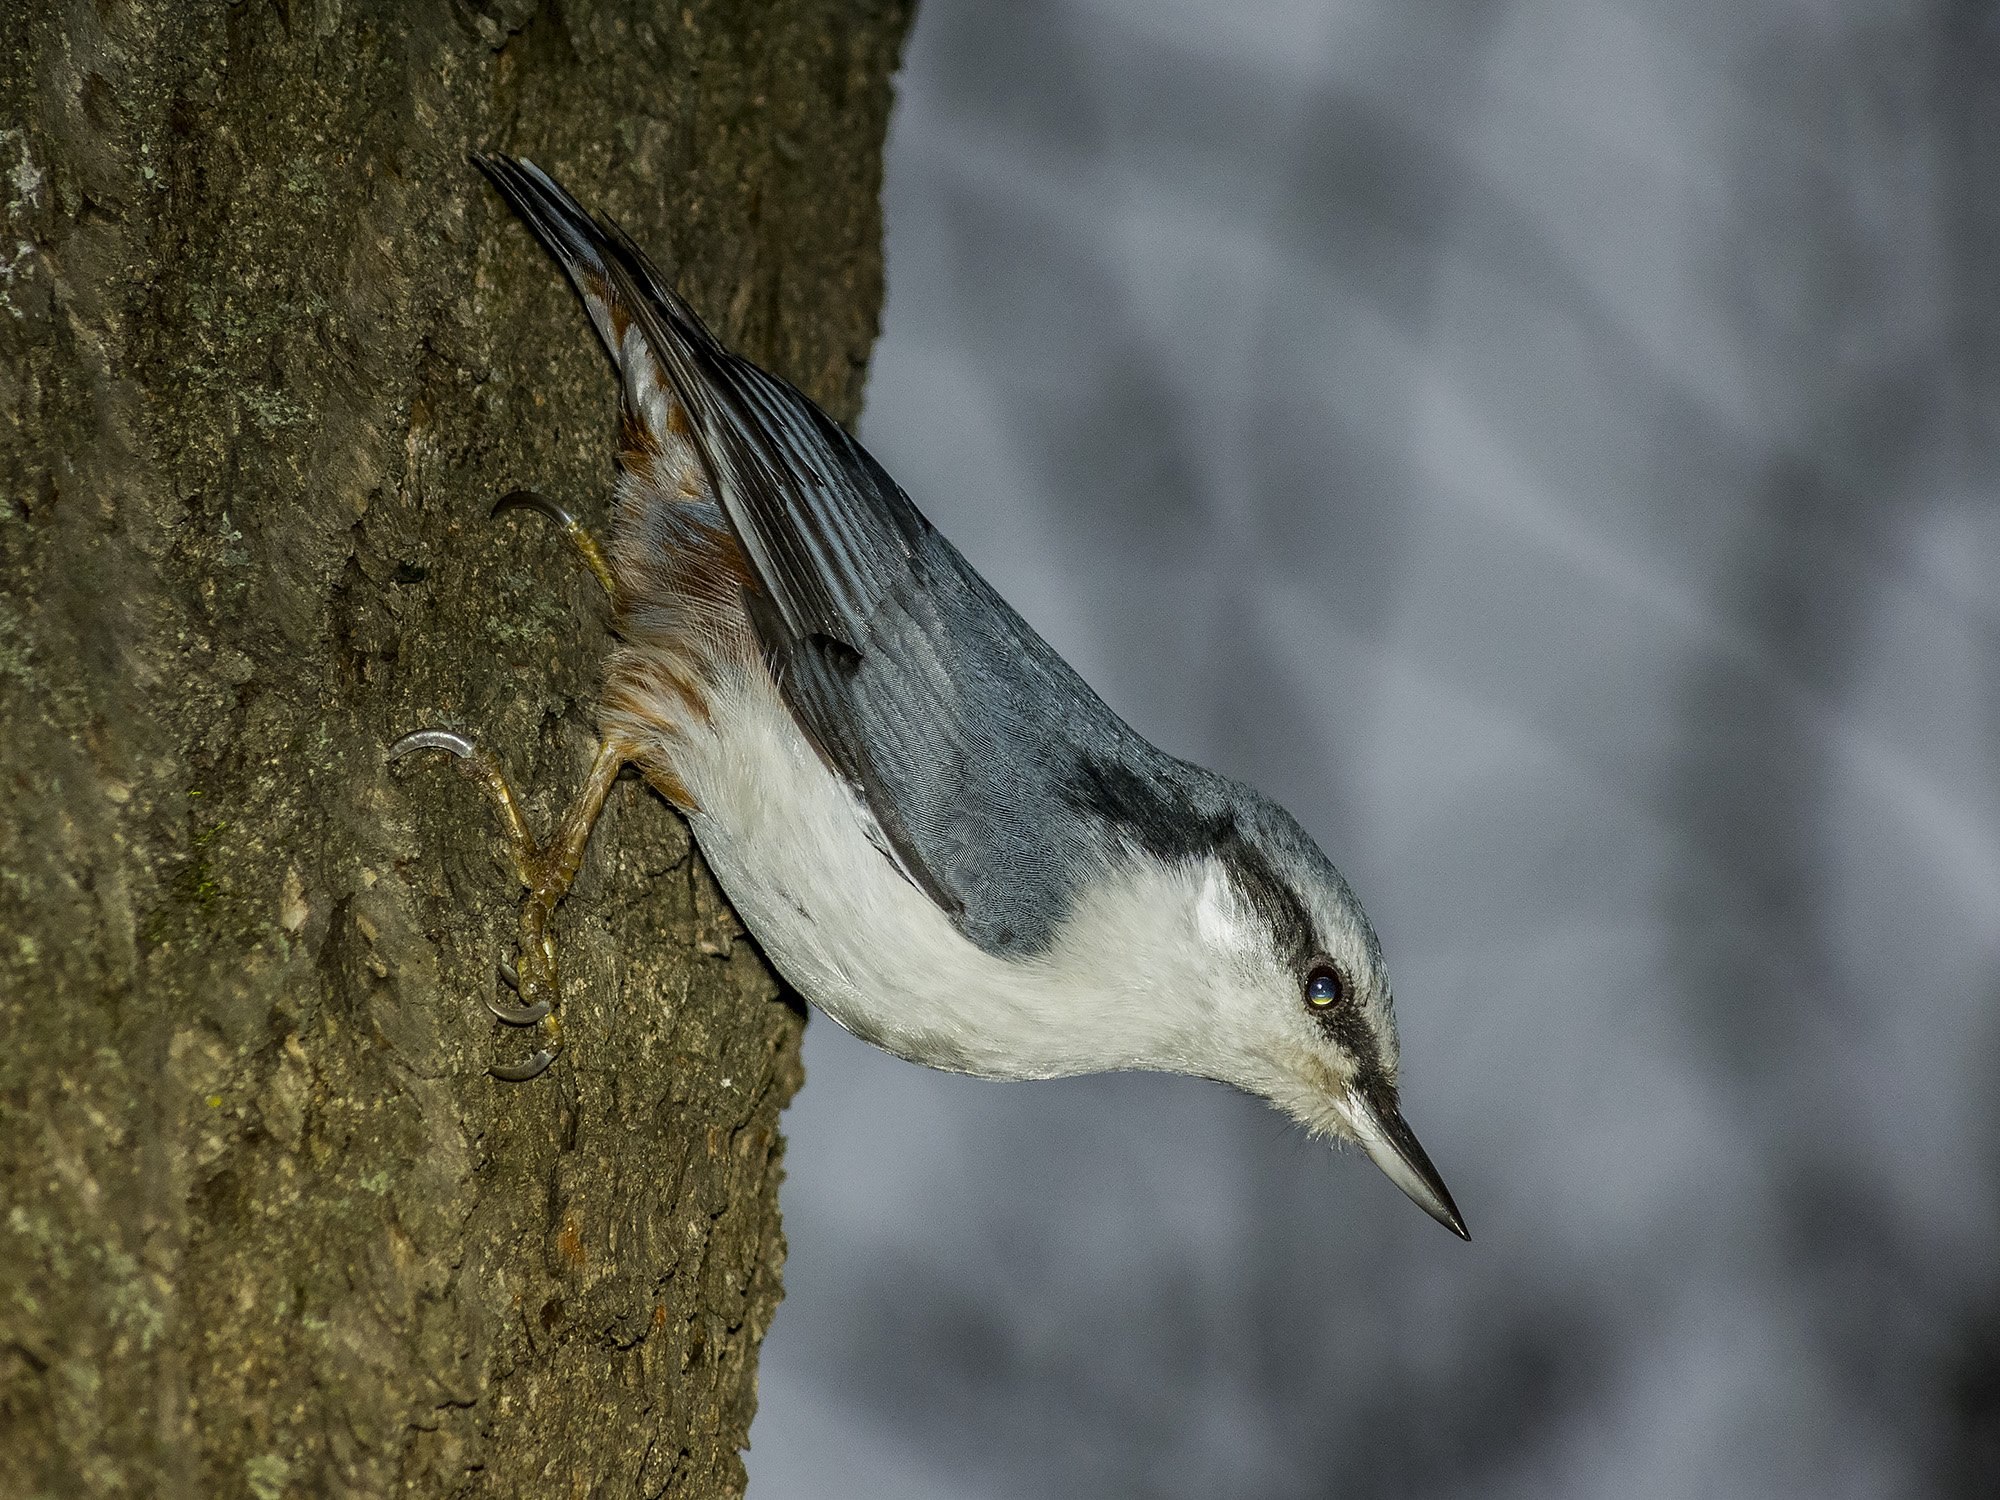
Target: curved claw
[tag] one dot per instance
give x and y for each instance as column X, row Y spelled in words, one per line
column 519, row 1015
column 579, row 536
column 529, row 1067
column 532, row 500
column 516, row 1015
column 432, row 739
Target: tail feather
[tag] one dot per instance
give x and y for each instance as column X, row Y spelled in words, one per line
column 655, row 340
column 823, row 531
column 571, row 236
column 618, row 284
column 679, row 569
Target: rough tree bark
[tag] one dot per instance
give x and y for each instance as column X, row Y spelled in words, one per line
column 269, row 349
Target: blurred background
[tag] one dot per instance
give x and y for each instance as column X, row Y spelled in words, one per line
column 1552, row 448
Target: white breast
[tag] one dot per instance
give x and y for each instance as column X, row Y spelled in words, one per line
column 791, row 845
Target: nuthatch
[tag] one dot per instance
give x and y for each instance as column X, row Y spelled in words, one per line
column 938, row 834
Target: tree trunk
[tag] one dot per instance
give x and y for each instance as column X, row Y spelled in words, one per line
column 269, row 350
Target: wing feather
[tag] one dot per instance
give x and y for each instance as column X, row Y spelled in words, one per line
column 963, row 733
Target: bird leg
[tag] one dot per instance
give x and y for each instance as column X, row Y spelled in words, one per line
column 545, row 870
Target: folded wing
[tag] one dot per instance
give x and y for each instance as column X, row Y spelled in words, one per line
column 959, row 728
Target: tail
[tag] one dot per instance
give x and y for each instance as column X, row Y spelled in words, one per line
column 679, row 571
column 825, row 534
column 578, row 242
column 639, row 317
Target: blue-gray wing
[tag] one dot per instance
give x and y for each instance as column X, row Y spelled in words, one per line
column 978, row 751
column 962, row 731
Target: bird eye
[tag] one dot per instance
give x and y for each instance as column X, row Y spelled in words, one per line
column 1323, row 986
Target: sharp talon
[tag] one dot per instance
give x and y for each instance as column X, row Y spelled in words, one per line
column 432, row 739
column 529, row 500
column 521, row 1072
column 518, row 1015
column 579, row 537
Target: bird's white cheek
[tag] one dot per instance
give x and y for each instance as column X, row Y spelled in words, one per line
column 1220, row 923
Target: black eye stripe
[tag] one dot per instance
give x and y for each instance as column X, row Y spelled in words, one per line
column 1344, row 1021
column 1176, row 827
column 1345, row 1024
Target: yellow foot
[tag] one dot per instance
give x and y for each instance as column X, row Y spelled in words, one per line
column 546, row 871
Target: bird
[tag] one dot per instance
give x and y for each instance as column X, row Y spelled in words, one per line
column 936, row 832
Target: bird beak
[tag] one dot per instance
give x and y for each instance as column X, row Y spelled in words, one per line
column 1393, row 1147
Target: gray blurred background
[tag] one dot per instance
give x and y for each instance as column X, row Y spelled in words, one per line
column 1551, row 447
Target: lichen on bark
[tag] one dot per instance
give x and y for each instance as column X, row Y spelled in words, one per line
column 269, row 349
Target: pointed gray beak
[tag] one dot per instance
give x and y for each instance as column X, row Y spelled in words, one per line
column 1393, row 1147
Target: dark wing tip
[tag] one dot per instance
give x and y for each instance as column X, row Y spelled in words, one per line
column 590, row 243
column 556, row 217
column 507, row 173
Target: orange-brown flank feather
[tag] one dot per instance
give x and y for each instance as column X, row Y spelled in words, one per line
column 680, row 572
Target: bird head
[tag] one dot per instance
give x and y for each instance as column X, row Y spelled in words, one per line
column 1301, row 987
column 1255, row 965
